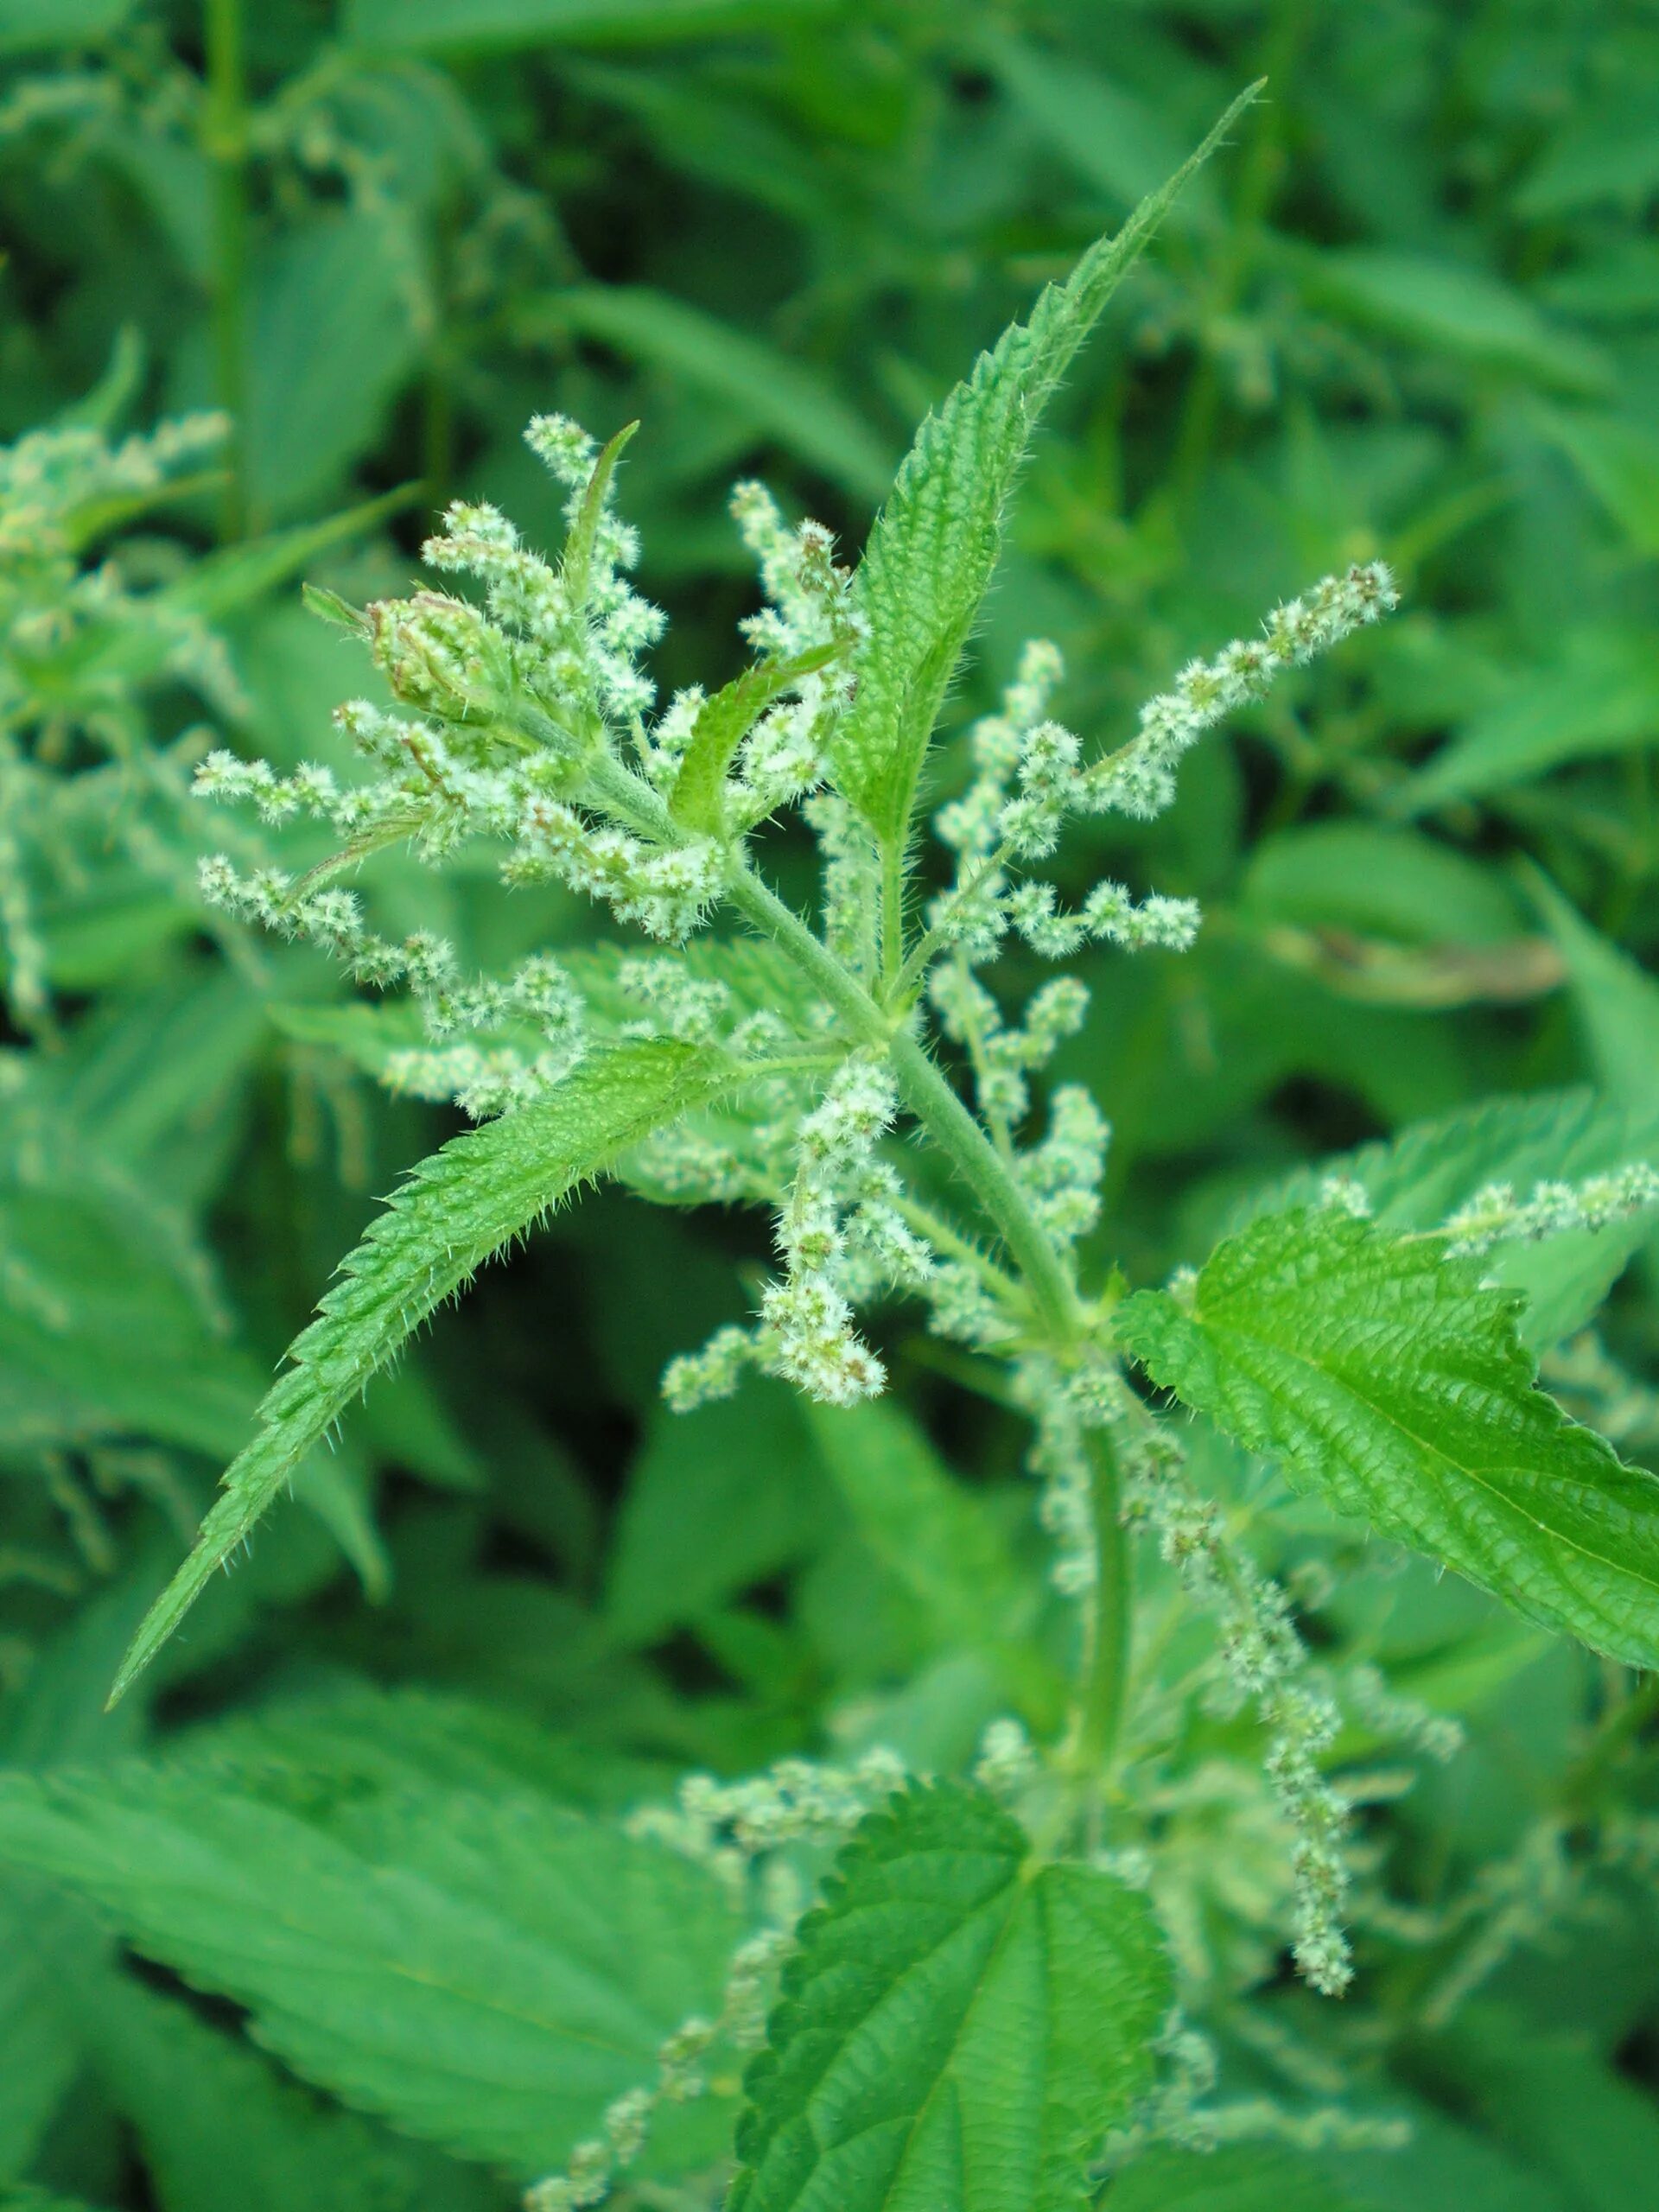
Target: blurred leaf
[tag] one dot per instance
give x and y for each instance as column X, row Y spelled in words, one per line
column 1379, row 881
column 488, row 1972
column 717, row 1500
column 1565, row 2115
column 1243, row 2178
column 1447, row 308
column 959, row 2027
column 1599, row 695
column 1619, row 461
column 781, row 398
column 38, row 2057
column 332, row 340
column 204, row 2107
column 1617, row 1001
column 1445, row 2166
column 462, row 24
column 1109, row 137
column 937, row 1541
column 1610, row 154
column 1397, row 1388
column 36, row 26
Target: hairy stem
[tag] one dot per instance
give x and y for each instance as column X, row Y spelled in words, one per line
column 1106, row 1660
column 225, row 142
column 972, row 1155
column 934, row 1105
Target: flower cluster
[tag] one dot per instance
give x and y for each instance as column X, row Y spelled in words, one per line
column 1030, row 777
column 1495, row 1215
column 1262, row 1659
column 726, row 1826
column 78, row 645
column 841, row 1237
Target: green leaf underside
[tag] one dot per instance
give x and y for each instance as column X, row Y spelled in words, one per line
column 486, row 1972
column 456, row 1210
column 958, row 2029
column 1396, row 1386
column 936, row 543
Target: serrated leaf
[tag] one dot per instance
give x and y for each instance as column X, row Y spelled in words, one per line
column 1390, row 1381
column 487, row 1972
column 959, row 2027
column 203, row 2106
column 1415, row 1180
column 456, row 1210
column 936, row 542
column 723, row 721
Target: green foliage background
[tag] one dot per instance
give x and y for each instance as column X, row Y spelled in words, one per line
column 1413, row 311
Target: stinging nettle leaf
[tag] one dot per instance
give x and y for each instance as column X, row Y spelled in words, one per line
column 488, row 1972
column 959, row 2027
column 457, row 1209
column 1395, row 1385
column 936, row 542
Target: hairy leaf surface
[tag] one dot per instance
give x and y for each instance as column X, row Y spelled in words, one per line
column 936, row 543
column 1395, row 1384
column 959, row 2028
column 456, row 1210
column 486, row 1972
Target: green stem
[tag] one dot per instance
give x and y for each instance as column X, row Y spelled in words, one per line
column 940, row 1234
column 1106, row 1661
column 892, row 916
column 964, row 1143
column 924, row 1090
column 225, row 142
column 933, row 1102
column 972, row 1155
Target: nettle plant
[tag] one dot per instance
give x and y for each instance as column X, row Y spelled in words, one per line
column 983, row 2006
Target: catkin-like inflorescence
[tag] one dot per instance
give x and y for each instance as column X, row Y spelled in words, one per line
column 1139, row 779
column 1030, row 777
column 1264, row 1661
column 1496, row 1216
